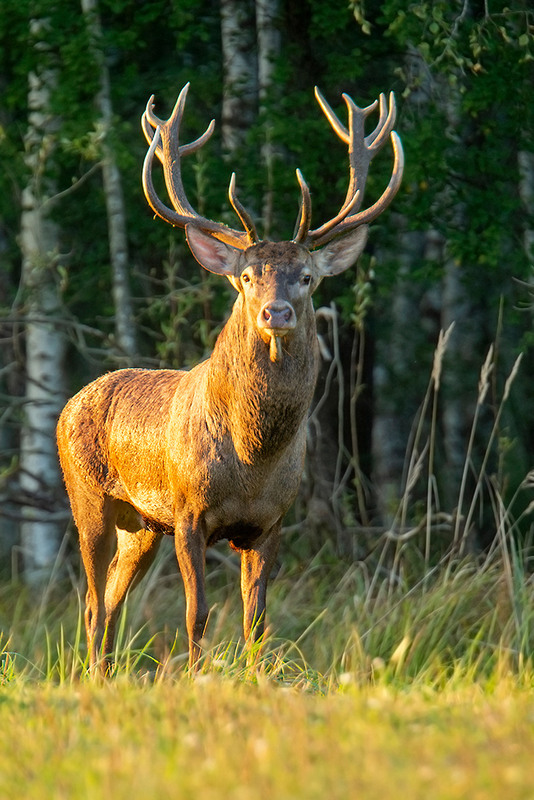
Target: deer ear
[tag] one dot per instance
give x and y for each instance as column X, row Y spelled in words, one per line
column 213, row 255
column 342, row 253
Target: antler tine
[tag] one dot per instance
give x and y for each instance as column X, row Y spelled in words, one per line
column 369, row 214
column 149, row 119
column 242, row 213
column 362, row 150
column 164, row 143
column 154, row 202
column 304, row 218
column 334, row 120
column 388, row 114
column 149, row 123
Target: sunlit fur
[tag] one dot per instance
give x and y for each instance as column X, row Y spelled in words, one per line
column 214, row 452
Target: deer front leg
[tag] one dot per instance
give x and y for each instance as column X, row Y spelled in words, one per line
column 190, row 552
column 256, row 566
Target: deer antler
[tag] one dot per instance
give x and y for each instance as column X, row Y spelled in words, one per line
column 362, row 150
column 163, row 138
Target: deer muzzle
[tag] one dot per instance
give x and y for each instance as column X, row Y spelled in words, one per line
column 275, row 320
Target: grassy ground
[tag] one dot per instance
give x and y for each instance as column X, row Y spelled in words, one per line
column 216, row 738
column 372, row 688
column 405, row 675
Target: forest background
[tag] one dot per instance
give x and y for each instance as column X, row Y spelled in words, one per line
column 422, row 430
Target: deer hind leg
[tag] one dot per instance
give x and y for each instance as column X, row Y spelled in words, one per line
column 113, row 559
column 134, row 555
column 96, row 528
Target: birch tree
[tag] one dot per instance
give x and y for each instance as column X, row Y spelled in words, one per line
column 240, row 85
column 125, row 333
column 43, row 522
column 268, row 50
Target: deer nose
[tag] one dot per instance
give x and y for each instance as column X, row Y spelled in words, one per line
column 278, row 315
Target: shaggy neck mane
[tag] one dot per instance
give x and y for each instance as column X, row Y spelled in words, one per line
column 260, row 403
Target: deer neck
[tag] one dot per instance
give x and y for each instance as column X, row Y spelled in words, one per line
column 261, row 404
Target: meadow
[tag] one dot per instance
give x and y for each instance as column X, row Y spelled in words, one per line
column 364, row 687
column 405, row 670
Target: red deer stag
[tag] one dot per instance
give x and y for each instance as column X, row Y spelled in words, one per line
column 215, row 452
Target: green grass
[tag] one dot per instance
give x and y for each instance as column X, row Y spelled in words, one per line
column 408, row 674
column 419, row 690
column 216, row 738
column 327, row 618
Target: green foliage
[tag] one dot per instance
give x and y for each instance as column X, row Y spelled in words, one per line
column 462, row 77
column 158, row 46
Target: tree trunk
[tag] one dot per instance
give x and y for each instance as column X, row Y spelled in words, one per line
column 40, row 481
column 240, row 86
column 462, row 364
column 526, row 192
column 399, row 379
column 125, row 332
column 395, row 403
column 268, row 49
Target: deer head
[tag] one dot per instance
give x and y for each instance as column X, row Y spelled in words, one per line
column 276, row 281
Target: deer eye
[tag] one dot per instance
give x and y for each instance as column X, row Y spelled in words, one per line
column 305, row 280
column 245, row 278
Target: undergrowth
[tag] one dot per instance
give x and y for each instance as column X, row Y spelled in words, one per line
column 471, row 619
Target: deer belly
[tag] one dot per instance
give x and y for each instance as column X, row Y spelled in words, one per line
column 148, row 505
column 241, row 535
column 242, row 523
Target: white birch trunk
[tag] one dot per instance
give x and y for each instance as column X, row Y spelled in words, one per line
column 125, row 332
column 240, row 89
column 43, row 525
column 268, row 39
